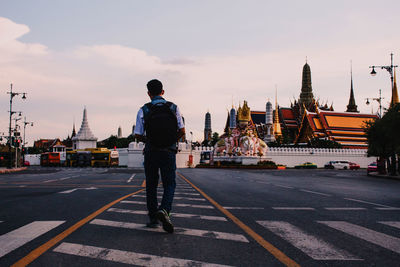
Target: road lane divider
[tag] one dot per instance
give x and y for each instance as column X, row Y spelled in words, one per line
column 367, row 202
column 34, row 254
column 317, row 193
column 283, row 258
column 130, row 178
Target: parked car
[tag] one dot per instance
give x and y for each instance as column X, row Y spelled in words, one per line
column 27, row 163
column 354, row 166
column 337, row 164
column 373, row 167
column 307, row 165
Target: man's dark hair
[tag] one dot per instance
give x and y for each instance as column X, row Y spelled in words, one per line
column 154, row 87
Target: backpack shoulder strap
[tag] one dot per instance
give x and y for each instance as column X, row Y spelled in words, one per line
column 146, row 109
column 172, row 106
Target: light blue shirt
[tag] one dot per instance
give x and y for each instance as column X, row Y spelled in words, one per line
column 139, row 127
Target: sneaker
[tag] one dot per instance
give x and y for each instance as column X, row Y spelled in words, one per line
column 163, row 217
column 153, row 223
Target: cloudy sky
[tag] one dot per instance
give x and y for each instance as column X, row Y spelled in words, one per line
column 208, row 54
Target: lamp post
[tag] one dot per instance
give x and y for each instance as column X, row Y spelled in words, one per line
column 17, row 136
column 379, row 100
column 24, row 143
column 390, row 69
column 12, row 95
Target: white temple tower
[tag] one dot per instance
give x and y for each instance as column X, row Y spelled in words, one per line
column 269, row 137
column 84, row 138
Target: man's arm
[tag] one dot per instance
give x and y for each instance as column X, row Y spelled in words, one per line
column 139, row 128
column 181, row 132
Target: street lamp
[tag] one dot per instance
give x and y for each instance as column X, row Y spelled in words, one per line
column 390, row 68
column 23, row 143
column 379, row 100
column 12, row 95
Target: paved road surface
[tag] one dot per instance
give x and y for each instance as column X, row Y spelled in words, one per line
column 96, row 217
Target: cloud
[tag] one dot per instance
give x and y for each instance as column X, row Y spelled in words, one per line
column 110, row 79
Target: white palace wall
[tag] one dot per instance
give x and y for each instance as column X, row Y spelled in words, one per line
column 133, row 155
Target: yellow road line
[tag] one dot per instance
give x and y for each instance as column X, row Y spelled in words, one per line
column 34, row 254
column 265, row 244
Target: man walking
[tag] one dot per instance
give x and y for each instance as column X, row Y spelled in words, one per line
column 159, row 124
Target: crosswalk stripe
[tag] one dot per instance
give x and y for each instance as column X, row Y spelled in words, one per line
column 346, row 208
column 377, row 238
column 391, row 223
column 293, row 208
column 179, row 215
column 179, row 198
column 176, row 205
column 177, row 230
column 314, row 247
column 17, row 238
column 126, row 257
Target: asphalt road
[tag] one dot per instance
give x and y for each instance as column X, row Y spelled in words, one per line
column 96, row 217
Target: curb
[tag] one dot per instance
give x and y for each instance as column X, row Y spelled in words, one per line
column 384, row 176
column 13, row 170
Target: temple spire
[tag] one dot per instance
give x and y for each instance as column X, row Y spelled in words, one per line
column 306, row 95
column 395, row 95
column 351, row 107
column 277, row 125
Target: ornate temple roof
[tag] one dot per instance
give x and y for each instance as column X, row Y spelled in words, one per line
column 84, row 132
column 345, row 128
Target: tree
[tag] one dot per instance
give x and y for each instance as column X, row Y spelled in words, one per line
column 214, row 138
column 323, row 143
column 384, row 139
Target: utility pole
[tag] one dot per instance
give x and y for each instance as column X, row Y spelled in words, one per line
column 23, row 142
column 12, row 95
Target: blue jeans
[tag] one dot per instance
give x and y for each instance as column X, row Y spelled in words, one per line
column 165, row 163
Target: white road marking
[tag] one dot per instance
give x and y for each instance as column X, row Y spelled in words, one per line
column 387, row 208
column 392, row 223
column 243, row 208
column 179, row 198
column 176, row 205
column 179, row 215
column 283, row 186
column 313, row 246
column 317, row 193
column 68, row 177
column 127, row 257
column 293, row 208
column 346, row 208
column 72, row 190
column 49, row 181
column 130, row 178
column 177, row 230
column 377, row 238
column 366, row 202
column 15, row 239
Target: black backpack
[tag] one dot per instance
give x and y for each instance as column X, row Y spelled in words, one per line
column 161, row 124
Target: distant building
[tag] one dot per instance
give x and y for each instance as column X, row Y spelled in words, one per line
column 119, row 132
column 84, row 138
column 207, row 127
column 47, row 144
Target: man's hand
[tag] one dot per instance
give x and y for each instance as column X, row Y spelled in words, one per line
column 140, row 138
